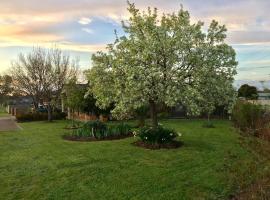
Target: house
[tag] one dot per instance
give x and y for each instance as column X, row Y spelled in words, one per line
column 19, row 104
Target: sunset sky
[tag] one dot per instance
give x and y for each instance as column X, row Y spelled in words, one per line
column 82, row 27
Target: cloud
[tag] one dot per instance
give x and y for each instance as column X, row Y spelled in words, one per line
column 84, row 21
column 248, row 21
column 88, row 25
column 87, row 30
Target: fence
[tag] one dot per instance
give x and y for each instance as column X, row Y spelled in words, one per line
column 86, row 117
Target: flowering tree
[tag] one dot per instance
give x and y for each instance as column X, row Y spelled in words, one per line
column 159, row 61
column 217, row 76
column 218, row 91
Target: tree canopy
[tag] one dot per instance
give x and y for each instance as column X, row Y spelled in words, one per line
column 161, row 60
column 248, row 92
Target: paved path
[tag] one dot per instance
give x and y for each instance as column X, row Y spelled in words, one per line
column 8, row 124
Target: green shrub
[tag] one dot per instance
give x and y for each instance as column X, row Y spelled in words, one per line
column 160, row 135
column 100, row 130
column 119, row 129
column 58, row 115
column 38, row 116
column 250, row 118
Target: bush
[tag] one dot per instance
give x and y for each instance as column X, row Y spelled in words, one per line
column 121, row 129
column 160, row 135
column 250, row 118
column 58, row 115
column 100, row 130
column 37, row 116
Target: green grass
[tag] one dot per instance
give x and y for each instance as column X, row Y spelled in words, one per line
column 36, row 163
column 3, row 112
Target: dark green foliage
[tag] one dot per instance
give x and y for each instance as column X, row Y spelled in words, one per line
column 160, row 135
column 248, row 92
column 89, row 106
column 74, row 124
column 94, row 129
column 97, row 128
column 100, row 130
column 75, row 95
column 250, row 118
column 121, row 129
column 38, row 116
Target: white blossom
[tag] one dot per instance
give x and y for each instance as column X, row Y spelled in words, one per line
column 167, row 62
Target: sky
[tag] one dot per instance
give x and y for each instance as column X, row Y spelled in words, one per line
column 83, row 27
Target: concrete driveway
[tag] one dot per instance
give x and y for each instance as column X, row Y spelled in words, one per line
column 8, row 124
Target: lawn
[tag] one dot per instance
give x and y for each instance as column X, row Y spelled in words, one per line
column 36, row 163
column 3, row 112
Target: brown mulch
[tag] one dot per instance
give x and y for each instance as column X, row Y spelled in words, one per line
column 172, row 145
column 92, row 139
column 264, row 134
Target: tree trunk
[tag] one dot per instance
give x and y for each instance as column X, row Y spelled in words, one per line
column 49, row 112
column 153, row 112
column 35, row 103
column 73, row 125
column 208, row 117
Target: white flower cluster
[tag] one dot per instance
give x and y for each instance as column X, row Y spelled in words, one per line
column 135, row 133
column 132, row 71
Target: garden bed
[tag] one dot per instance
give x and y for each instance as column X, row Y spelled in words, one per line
column 72, row 128
column 93, row 139
column 172, row 145
column 98, row 131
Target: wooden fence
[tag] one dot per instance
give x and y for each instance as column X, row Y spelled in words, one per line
column 86, row 117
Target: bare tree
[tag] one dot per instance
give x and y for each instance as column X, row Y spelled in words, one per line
column 42, row 74
column 5, row 87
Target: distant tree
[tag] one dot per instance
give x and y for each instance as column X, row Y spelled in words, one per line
column 160, row 61
column 42, row 74
column 248, row 92
column 6, row 88
column 74, row 97
column 266, row 90
column 78, row 99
